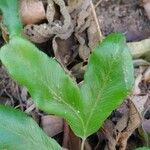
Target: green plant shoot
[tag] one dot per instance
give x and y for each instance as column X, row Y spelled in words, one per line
column 108, row 79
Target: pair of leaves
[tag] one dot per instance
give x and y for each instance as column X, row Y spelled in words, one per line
column 19, row 132
column 107, row 81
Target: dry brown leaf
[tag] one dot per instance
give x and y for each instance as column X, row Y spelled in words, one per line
column 70, row 140
column 146, row 125
column 137, row 89
column 64, row 50
column 108, row 133
column 134, row 121
column 61, row 27
column 147, row 75
column 139, row 102
column 78, row 70
column 74, row 4
column 140, row 49
column 72, row 19
column 32, row 11
column 118, row 135
column 114, row 133
column 52, row 125
column 146, row 5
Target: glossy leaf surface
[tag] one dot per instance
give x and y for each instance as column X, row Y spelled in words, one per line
column 10, row 16
column 108, row 80
column 19, row 132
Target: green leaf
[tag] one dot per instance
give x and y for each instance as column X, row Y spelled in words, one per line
column 20, row 132
column 10, row 16
column 52, row 90
column 108, row 80
column 143, row 148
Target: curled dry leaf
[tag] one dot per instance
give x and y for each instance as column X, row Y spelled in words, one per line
column 134, row 120
column 140, row 62
column 32, row 11
column 118, row 135
column 72, row 19
column 55, row 27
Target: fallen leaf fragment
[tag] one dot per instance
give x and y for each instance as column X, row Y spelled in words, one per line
column 147, row 75
column 140, row 62
column 133, row 122
column 137, row 89
column 32, row 11
column 146, row 125
column 52, row 125
column 140, row 49
column 139, row 102
column 70, row 140
column 146, row 5
column 118, row 135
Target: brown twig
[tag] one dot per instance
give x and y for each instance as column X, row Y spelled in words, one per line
column 98, row 3
column 96, row 20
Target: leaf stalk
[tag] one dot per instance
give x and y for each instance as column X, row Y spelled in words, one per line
column 82, row 144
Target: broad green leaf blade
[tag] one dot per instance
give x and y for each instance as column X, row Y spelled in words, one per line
column 108, row 80
column 10, row 16
column 51, row 88
column 20, row 132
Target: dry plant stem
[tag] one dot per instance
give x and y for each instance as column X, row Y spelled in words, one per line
column 82, row 144
column 96, row 20
column 98, row 3
column 30, row 109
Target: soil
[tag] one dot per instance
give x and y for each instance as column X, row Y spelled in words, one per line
column 126, row 16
